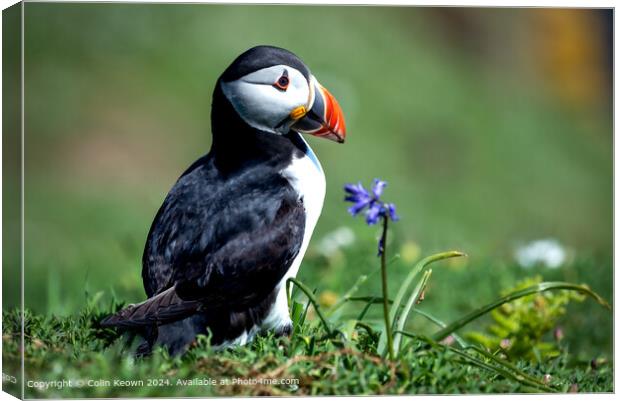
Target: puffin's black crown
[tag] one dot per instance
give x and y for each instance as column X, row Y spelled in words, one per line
column 260, row 57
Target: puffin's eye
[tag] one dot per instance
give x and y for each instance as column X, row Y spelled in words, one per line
column 282, row 82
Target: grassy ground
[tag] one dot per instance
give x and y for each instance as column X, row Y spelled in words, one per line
column 75, row 348
column 325, row 367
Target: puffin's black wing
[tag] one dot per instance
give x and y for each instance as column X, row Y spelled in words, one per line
column 217, row 244
column 162, row 308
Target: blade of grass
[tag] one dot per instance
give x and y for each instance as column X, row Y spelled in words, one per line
column 517, row 376
column 502, row 362
column 460, row 341
column 369, row 299
column 362, row 314
column 413, row 299
column 481, row 351
column 369, row 302
column 402, row 291
column 313, row 300
column 542, row 287
column 507, row 370
column 305, row 313
column 296, row 315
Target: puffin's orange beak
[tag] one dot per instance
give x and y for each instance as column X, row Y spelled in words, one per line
column 324, row 119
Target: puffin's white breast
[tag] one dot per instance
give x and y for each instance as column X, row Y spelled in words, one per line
column 306, row 176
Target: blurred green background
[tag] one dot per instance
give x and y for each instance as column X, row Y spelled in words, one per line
column 493, row 128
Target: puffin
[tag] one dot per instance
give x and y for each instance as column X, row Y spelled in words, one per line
column 236, row 224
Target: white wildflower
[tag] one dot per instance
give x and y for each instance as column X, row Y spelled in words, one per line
column 547, row 252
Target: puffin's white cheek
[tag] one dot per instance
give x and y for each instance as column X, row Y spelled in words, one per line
column 260, row 106
column 265, row 105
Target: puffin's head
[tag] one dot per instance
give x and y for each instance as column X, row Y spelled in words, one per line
column 272, row 90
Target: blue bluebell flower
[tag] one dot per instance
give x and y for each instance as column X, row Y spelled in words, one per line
column 370, row 201
column 359, row 196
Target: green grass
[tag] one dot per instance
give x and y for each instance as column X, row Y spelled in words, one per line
column 61, row 348
column 333, row 350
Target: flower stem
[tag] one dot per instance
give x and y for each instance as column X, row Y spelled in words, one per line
column 386, row 311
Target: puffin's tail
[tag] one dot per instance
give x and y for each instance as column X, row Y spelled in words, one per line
column 163, row 308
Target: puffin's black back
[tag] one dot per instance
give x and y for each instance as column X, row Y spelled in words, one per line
column 204, row 211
